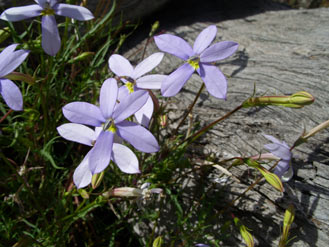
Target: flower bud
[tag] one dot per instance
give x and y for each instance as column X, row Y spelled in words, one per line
column 124, row 192
column 4, row 34
column 289, row 217
column 157, row 242
column 245, row 234
column 154, row 28
column 296, row 100
column 97, row 179
column 83, row 193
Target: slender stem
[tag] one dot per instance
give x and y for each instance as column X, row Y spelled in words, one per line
column 6, row 115
column 190, row 109
column 204, row 129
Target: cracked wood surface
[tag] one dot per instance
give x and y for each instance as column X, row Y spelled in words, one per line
column 281, row 51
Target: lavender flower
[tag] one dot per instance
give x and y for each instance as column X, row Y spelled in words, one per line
column 9, row 61
column 111, row 116
column 51, row 41
column 134, row 79
column 125, row 159
column 200, row 58
column 282, row 151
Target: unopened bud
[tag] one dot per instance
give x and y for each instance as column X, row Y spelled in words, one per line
column 296, row 100
column 124, row 192
column 97, row 179
column 4, row 34
column 83, row 193
column 154, row 28
column 245, row 234
column 157, row 242
column 289, row 217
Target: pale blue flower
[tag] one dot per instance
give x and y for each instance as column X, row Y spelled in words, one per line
column 9, row 61
column 111, row 115
column 134, row 78
column 281, row 150
column 51, row 40
column 200, row 58
column 121, row 155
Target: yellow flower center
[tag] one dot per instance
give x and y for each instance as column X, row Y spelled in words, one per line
column 48, row 11
column 130, row 86
column 110, row 126
column 194, row 62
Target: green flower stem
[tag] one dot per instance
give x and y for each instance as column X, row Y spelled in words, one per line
column 203, row 130
column 190, row 109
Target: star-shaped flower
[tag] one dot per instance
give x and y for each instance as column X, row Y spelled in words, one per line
column 134, row 79
column 200, row 58
column 125, row 159
column 282, row 151
column 9, row 61
column 111, row 116
column 51, row 40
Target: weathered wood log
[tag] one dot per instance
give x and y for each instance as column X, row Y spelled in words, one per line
column 281, row 51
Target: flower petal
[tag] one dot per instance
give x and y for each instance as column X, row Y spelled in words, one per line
column 83, row 113
column 287, row 175
column 150, row 81
column 108, row 97
column 138, row 136
column 129, row 105
column 278, row 148
column 281, row 168
column 218, row 51
column 77, row 133
column 176, row 80
column 147, row 64
column 52, row 3
column 82, row 175
column 204, row 39
column 100, row 157
column 174, row 45
column 274, row 140
column 214, row 79
column 120, row 66
column 10, row 60
column 41, row 2
column 11, row 94
column 73, row 11
column 7, row 52
column 125, row 159
column 21, row 13
column 144, row 115
column 51, row 42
